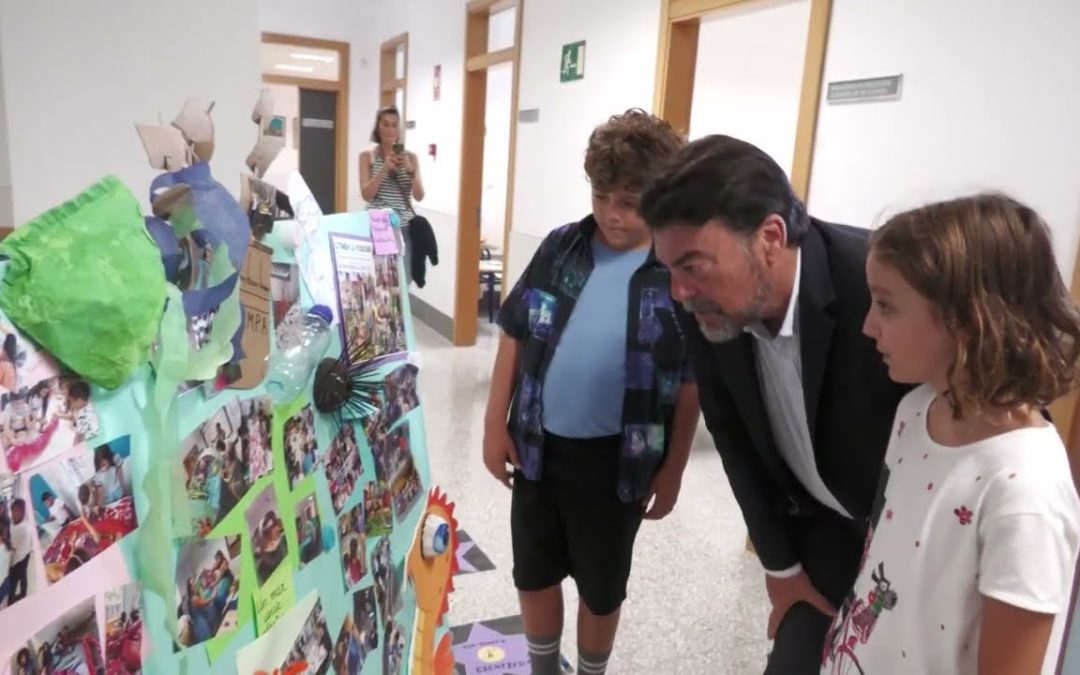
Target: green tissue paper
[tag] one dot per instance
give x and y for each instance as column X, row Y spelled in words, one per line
column 86, row 282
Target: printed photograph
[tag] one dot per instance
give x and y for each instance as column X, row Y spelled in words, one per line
column 313, row 646
column 16, row 545
column 308, row 529
column 343, row 466
column 378, row 509
column 396, row 400
column 70, row 644
column 301, row 446
column 123, row 630
column 353, row 539
column 406, row 490
column 369, row 295
column 200, row 327
column 83, row 504
column 394, row 650
column 392, row 453
column 267, row 532
column 224, row 456
column 44, row 410
column 359, row 635
column 387, row 581
column 285, row 297
column 207, row 589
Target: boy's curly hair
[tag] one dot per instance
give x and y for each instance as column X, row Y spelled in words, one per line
column 629, row 151
column 987, row 264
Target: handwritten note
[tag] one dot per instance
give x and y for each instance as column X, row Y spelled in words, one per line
column 382, row 233
column 274, row 599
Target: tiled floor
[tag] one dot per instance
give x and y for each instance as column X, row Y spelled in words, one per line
column 697, row 602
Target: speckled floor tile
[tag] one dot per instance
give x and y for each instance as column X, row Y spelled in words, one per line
column 696, row 601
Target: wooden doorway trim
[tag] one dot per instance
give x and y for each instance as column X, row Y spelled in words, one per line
column 341, row 86
column 477, row 61
column 389, row 83
column 680, row 22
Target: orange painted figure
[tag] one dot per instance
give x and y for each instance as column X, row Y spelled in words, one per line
column 431, row 565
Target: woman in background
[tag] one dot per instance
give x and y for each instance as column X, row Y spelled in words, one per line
column 390, row 175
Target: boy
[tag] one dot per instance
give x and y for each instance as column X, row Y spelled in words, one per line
column 604, row 407
column 21, row 546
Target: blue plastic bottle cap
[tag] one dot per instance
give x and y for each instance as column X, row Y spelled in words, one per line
column 323, row 312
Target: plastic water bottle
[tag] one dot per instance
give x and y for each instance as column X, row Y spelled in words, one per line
column 299, row 353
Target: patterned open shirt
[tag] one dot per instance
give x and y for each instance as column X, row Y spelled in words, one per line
column 535, row 314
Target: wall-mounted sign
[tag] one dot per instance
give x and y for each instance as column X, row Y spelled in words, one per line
column 869, row 89
column 530, row 115
column 410, row 124
column 316, row 123
column 436, row 85
column 573, row 62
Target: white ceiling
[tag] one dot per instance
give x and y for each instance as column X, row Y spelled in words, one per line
column 295, row 61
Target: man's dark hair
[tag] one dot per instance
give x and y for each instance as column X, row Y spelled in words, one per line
column 723, row 177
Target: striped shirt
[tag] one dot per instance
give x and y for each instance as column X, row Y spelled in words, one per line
column 390, row 195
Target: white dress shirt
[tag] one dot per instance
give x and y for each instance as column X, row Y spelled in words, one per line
column 779, row 367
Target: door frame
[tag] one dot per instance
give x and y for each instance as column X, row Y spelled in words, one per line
column 389, row 82
column 341, row 87
column 476, row 63
column 680, row 23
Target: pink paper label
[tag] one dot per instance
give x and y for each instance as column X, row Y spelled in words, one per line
column 382, row 233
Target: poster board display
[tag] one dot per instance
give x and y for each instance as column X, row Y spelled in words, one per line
column 219, row 531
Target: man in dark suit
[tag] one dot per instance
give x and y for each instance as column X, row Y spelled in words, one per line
column 796, row 398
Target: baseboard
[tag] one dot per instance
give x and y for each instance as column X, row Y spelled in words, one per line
column 431, row 317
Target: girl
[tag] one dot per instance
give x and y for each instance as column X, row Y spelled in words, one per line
column 973, row 542
column 390, row 175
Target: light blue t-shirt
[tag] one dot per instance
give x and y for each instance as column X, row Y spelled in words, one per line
column 585, row 381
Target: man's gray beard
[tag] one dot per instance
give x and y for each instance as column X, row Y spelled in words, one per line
column 731, row 327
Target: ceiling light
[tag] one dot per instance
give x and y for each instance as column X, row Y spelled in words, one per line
column 295, row 69
column 313, row 57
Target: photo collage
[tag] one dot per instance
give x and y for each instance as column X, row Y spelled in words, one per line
column 313, row 646
column 343, row 466
column 359, row 634
column 394, row 467
column 301, row 446
column 70, row 644
column 369, row 295
column 207, row 589
column 83, row 504
column 353, row 538
column 44, row 411
column 123, row 631
column 224, row 456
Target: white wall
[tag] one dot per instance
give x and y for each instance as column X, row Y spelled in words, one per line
column 77, row 76
column 754, row 99
column 349, row 21
column 5, row 156
column 989, row 101
column 550, row 187
column 287, row 105
column 436, row 37
column 500, row 80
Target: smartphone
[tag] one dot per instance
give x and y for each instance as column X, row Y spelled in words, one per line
column 399, row 148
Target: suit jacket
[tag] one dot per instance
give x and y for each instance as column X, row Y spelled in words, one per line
column 850, row 401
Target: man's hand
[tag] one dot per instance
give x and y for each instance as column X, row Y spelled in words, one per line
column 499, row 451
column 663, row 493
column 785, row 592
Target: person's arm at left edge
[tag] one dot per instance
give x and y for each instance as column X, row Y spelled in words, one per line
column 417, row 184
column 668, row 480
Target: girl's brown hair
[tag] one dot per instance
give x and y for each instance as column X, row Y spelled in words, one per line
column 383, row 112
column 987, row 264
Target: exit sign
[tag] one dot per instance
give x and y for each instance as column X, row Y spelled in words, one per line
column 573, row 62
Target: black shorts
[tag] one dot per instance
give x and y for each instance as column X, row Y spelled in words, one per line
column 572, row 523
